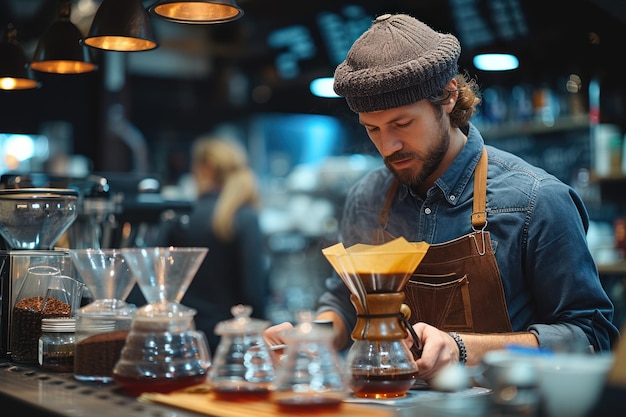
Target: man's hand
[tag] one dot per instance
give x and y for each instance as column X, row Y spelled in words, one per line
column 274, row 340
column 439, row 350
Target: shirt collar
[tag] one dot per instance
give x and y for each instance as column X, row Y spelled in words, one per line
column 456, row 178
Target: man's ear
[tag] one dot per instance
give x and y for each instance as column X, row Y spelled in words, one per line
column 451, row 87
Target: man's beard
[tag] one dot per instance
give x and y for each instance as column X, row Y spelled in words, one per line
column 429, row 162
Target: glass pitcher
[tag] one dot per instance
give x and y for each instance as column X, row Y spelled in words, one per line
column 381, row 364
column 309, row 376
column 242, row 368
column 163, row 351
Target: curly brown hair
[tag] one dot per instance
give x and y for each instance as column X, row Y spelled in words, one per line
column 468, row 99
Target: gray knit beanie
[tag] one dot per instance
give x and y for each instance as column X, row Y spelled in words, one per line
column 397, row 61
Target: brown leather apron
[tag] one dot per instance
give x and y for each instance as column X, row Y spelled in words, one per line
column 457, row 286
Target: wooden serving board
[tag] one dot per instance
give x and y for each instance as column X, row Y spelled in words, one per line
column 205, row 403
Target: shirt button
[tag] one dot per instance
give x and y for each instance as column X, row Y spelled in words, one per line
column 452, row 198
column 427, row 211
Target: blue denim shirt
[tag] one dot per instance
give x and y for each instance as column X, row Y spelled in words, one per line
column 538, row 229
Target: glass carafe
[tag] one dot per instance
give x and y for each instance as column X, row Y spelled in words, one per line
column 242, row 368
column 163, row 351
column 309, row 376
column 381, row 365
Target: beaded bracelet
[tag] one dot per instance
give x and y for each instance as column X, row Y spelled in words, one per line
column 462, row 348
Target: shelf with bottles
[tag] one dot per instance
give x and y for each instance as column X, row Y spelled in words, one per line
column 533, row 108
column 612, row 268
column 534, row 127
column 611, row 191
column 613, row 178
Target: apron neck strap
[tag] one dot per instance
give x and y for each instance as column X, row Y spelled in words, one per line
column 479, row 216
column 383, row 216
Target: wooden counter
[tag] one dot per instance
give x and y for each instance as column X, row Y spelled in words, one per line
column 28, row 390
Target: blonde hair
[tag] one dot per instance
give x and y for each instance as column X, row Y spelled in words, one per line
column 227, row 162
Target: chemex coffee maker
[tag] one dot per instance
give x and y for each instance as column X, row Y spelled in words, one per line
column 31, row 222
column 379, row 362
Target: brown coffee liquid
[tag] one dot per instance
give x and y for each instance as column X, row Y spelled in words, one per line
column 135, row 386
column 242, row 393
column 308, row 405
column 382, row 386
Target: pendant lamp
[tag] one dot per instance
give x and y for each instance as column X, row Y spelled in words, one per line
column 197, row 11
column 14, row 71
column 60, row 49
column 123, row 26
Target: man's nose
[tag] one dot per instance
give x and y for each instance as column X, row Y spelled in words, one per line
column 389, row 145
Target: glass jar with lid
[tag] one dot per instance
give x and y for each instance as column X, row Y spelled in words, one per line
column 56, row 344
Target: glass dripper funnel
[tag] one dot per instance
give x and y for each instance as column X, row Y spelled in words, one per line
column 379, row 361
column 35, row 218
column 106, row 273
column 164, row 273
column 163, row 351
column 103, row 324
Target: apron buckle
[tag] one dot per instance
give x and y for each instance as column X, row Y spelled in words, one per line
column 482, row 233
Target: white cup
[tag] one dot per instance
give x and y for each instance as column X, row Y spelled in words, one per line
column 570, row 384
column 508, row 366
column 511, row 374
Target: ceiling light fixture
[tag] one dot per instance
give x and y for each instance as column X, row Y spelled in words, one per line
column 197, row 12
column 496, row 62
column 60, row 49
column 123, row 26
column 14, row 71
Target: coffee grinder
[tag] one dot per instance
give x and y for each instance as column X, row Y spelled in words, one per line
column 31, row 222
column 97, row 206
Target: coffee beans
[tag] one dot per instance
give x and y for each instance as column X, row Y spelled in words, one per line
column 97, row 355
column 26, row 325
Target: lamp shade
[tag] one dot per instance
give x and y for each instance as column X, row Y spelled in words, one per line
column 121, row 25
column 60, row 49
column 14, row 71
column 197, row 12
